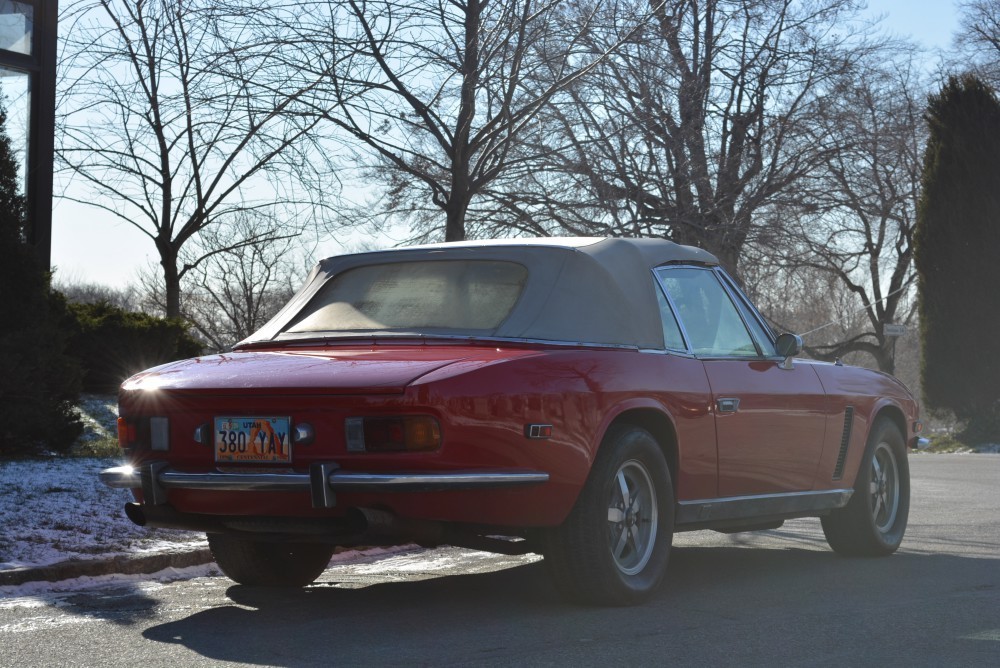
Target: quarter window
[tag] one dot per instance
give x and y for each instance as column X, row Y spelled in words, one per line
column 672, row 337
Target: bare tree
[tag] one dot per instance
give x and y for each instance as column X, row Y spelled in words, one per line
column 82, row 292
column 706, row 117
column 235, row 291
column 977, row 40
column 442, row 93
column 858, row 212
column 177, row 117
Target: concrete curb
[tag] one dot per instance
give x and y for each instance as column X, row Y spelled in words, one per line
column 120, row 564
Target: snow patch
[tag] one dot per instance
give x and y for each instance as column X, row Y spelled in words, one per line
column 57, row 509
column 99, row 414
column 46, row 594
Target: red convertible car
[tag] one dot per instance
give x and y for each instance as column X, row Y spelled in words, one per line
column 579, row 398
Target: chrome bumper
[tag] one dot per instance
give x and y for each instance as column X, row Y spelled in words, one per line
column 322, row 481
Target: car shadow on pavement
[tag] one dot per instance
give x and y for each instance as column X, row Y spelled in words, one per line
column 127, row 605
column 713, row 596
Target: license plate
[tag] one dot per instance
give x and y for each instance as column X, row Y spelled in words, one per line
column 240, row 440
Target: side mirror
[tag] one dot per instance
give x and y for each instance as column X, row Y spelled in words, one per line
column 788, row 346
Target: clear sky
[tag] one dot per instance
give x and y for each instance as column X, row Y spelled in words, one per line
column 88, row 246
column 930, row 22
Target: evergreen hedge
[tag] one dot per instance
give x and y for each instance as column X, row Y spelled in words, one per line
column 957, row 240
column 113, row 344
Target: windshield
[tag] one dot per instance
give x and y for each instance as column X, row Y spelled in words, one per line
column 473, row 296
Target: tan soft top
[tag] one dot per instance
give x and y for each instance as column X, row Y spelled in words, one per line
column 579, row 290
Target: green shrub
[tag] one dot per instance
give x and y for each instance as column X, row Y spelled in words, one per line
column 112, row 343
column 946, row 443
column 39, row 382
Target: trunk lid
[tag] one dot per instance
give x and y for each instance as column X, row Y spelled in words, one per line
column 314, row 370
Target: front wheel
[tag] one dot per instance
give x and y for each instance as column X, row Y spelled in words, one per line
column 267, row 564
column 614, row 546
column 873, row 522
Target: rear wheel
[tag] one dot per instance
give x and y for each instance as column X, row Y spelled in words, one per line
column 874, row 521
column 269, row 564
column 614, row 547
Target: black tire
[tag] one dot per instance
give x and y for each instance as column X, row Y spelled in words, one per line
column 872, row 524
column 268, row 564
column 614, row 546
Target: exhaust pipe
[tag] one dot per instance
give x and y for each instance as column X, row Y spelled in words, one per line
column 427, row 533
column 133, row 511
column 164, row 517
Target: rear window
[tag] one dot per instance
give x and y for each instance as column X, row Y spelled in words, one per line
column 464, row 295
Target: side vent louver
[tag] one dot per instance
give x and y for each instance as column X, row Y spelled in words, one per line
column 845, row 440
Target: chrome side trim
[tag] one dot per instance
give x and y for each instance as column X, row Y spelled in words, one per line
column 675, row 353
column 760, row 506
column 309, row 339
column 126, row 477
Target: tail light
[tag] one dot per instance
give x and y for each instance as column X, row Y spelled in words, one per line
column 409, row 433
column 128, row 433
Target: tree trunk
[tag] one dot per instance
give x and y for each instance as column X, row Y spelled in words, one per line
column 886, row 359
column 460, row 193
column 722, row 246
column 455, row 217
column 171, row 284
column 729, row 257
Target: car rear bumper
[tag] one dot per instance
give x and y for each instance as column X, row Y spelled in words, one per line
column 322, row 481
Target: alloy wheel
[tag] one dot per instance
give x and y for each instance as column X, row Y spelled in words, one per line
column 632, row 517
column 884, row 487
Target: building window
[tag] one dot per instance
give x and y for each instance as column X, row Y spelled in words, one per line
column 16, row 26
column 28, row 94
column 16, row 101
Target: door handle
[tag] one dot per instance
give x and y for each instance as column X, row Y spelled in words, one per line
column 727, row 405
